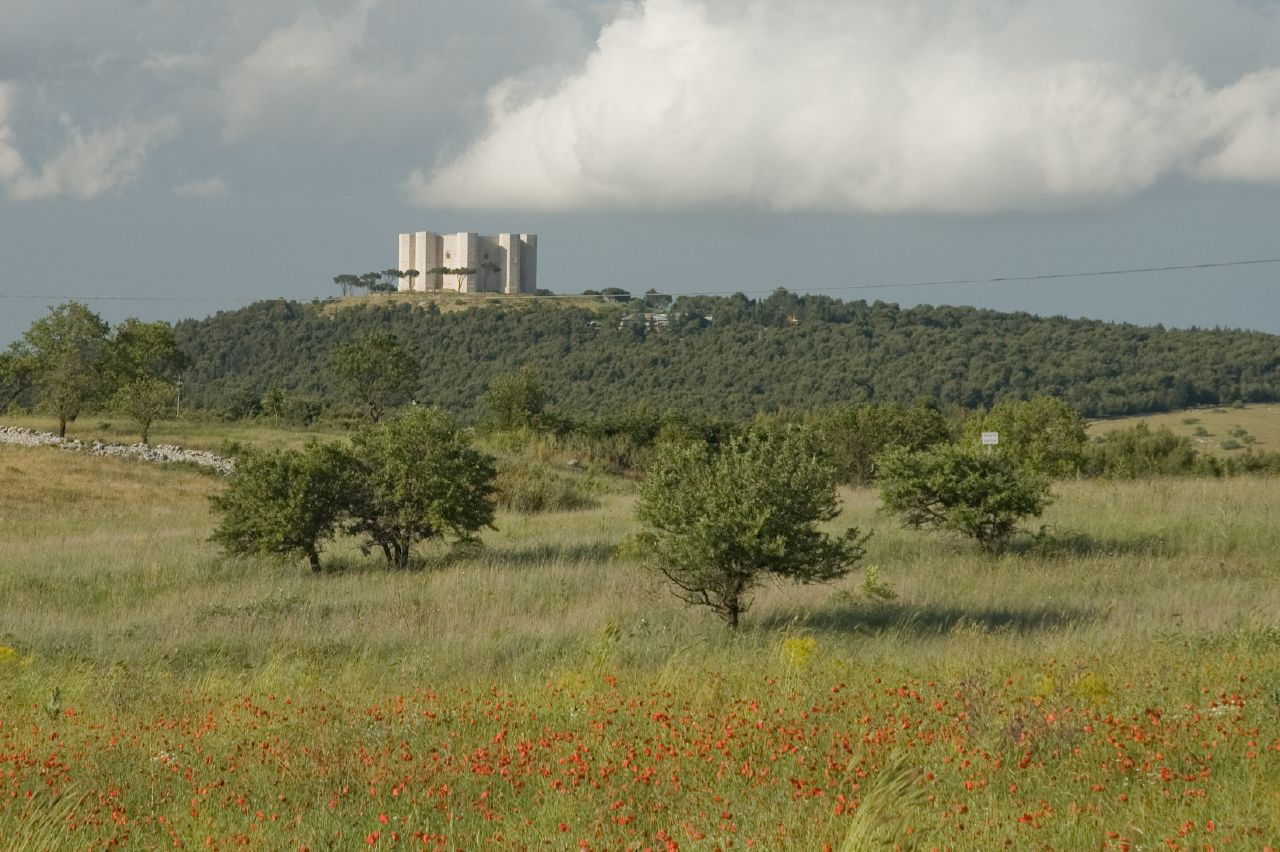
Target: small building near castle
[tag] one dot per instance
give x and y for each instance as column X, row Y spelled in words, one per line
column 469, row 263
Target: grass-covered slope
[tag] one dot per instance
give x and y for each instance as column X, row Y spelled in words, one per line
column 784, row 351
column 1109, row 684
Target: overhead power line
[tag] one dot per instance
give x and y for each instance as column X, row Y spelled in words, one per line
column 944, row 282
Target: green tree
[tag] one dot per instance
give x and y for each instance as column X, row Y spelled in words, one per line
column 145, row 400
column 418, row 478
column 966, row 490
column 718, row 523
column 16, row 371
column 144, row 363
column 854, row 436
column 516, row 400
column 69, row 350
column 346, row 283
column 377, row 372
column 283, row 502
column 1043, row 434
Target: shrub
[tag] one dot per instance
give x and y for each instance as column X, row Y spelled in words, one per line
column 1201, row 432
column 718, row 522
column 282, row 502
column 515, row 401
column 1044, row 435
column 853, row 436
column 529, row 488
column 979, row 494
column 1141, row 451
column 1231, row 444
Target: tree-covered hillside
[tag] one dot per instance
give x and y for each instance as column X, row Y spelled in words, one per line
column 732, row 357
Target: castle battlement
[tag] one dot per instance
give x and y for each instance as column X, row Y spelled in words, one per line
column 469, row 263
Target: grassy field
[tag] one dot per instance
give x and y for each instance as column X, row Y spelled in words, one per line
column 1210, row 428
column 1114, row 682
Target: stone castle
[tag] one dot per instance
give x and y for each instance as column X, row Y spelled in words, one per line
column 469, row 263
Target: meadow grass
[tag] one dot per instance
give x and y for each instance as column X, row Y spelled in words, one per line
column 365, row 705
column 1262, row 422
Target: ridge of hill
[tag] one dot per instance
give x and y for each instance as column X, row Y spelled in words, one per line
column 733, row 357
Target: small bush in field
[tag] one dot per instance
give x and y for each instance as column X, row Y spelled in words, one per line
column 1190, row 421
column 529, row 488
column 720, row 521
column 1231, row 444
column 1201, row 432
column 978, row 494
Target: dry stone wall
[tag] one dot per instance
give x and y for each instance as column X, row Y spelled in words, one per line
column 158, row 453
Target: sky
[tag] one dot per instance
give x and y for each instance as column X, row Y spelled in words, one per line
column 172, row 158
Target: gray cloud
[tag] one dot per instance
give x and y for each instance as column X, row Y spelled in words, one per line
column 214, row 187
column 885, row 106
column 88, row 163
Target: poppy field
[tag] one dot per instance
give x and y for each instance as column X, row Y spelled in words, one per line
column 1112, row 684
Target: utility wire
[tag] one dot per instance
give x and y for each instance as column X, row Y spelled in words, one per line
column 947, row 282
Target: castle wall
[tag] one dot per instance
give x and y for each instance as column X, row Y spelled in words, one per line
column 514, row 255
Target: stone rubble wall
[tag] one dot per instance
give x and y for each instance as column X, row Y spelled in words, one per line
column 156, row 453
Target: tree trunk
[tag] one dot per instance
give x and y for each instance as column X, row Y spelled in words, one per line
column 62, row 426
column 313, row 558
column 146, row 434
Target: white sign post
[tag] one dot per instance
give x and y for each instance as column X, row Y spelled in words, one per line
column 990, row 439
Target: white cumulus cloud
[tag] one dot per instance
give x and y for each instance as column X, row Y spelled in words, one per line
column 886, row 106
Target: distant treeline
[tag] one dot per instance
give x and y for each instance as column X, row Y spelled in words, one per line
column 734, row 357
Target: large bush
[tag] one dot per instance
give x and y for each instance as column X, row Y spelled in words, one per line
column 720, row 521
column 1045, row 434
column 973, row 492
column 1140, row 451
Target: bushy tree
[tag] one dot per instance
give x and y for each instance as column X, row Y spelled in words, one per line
column 144, row 401
column 854, row 436
column 377, row 372
column 1043, row 434
column 69, row 350
column 144, row 361
column 516, row 400
column 417, row 477
column 719, row 522
column 283, row 502
column 979, row 494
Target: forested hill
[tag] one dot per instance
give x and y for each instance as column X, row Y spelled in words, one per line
column 798, row 352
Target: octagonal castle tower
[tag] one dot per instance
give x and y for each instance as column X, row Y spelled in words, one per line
column 498, row 263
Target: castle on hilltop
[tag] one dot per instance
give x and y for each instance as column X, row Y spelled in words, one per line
column 469, row 263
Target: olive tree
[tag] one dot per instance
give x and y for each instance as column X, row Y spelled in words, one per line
column 416, row 477
column 377, row 372
column 965, row 490
column 283, row 502
column 720, row 521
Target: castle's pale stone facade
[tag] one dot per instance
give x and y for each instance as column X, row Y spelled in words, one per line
column 499, row 263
